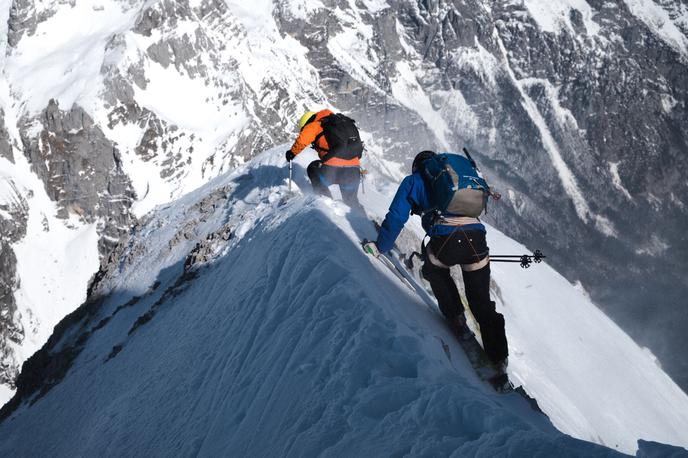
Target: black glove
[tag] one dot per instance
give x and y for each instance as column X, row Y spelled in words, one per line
column 289, row 155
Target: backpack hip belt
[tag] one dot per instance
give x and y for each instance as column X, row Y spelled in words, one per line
column 445, row 220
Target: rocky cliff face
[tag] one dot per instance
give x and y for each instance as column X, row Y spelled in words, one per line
column 81, row 171
column 576, row 111
column 5, row 149
column 12, row 229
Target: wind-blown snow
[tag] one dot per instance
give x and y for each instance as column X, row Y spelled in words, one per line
column 82, row 43
column 288, row 330
column 589, row 377
column 552, row 364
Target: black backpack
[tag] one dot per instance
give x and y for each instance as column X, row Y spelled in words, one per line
column 342, row 137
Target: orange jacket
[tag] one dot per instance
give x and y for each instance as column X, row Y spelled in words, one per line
column 308, row 135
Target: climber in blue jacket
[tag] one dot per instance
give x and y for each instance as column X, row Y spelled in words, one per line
column 454, row 239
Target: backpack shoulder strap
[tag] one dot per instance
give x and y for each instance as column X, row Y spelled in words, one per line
column 470, row 159
column 317, row 138
column 322, row 131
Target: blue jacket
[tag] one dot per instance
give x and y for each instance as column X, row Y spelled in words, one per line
column 411, row 195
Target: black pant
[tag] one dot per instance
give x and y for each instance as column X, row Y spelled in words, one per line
column 467, row 247
column 348, row 179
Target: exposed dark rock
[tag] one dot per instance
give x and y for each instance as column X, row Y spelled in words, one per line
column 114, row 352
column 12, row 229
column 5, row 146
column 208, row 249
column 181, row 285
column 48, row 366
column 81, row 170
column 23, row 20
column 10, row 328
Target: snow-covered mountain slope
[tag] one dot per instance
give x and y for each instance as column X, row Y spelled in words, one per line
column 54, row 261
column 576, row 110
column 242, row 320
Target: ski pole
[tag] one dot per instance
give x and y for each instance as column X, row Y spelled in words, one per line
column 537, row 256
column 524, row 259
column 525, row 263
column 362, row 172
column 290, row 176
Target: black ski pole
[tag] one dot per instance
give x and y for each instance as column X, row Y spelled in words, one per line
column 524, row 259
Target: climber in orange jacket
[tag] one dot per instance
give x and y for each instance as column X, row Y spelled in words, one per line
column 338, row 143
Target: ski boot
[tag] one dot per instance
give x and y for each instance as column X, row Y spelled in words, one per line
column 500, row 381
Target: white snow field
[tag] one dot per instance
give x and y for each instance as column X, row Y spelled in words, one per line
column 282, row 338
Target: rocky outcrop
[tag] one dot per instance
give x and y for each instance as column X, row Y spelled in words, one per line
column 10, row 329
column 12, row 228
column 5, row 146
column 81, row 170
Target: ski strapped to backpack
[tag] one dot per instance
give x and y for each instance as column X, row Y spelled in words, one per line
column 455, row 185
column 342, row 136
